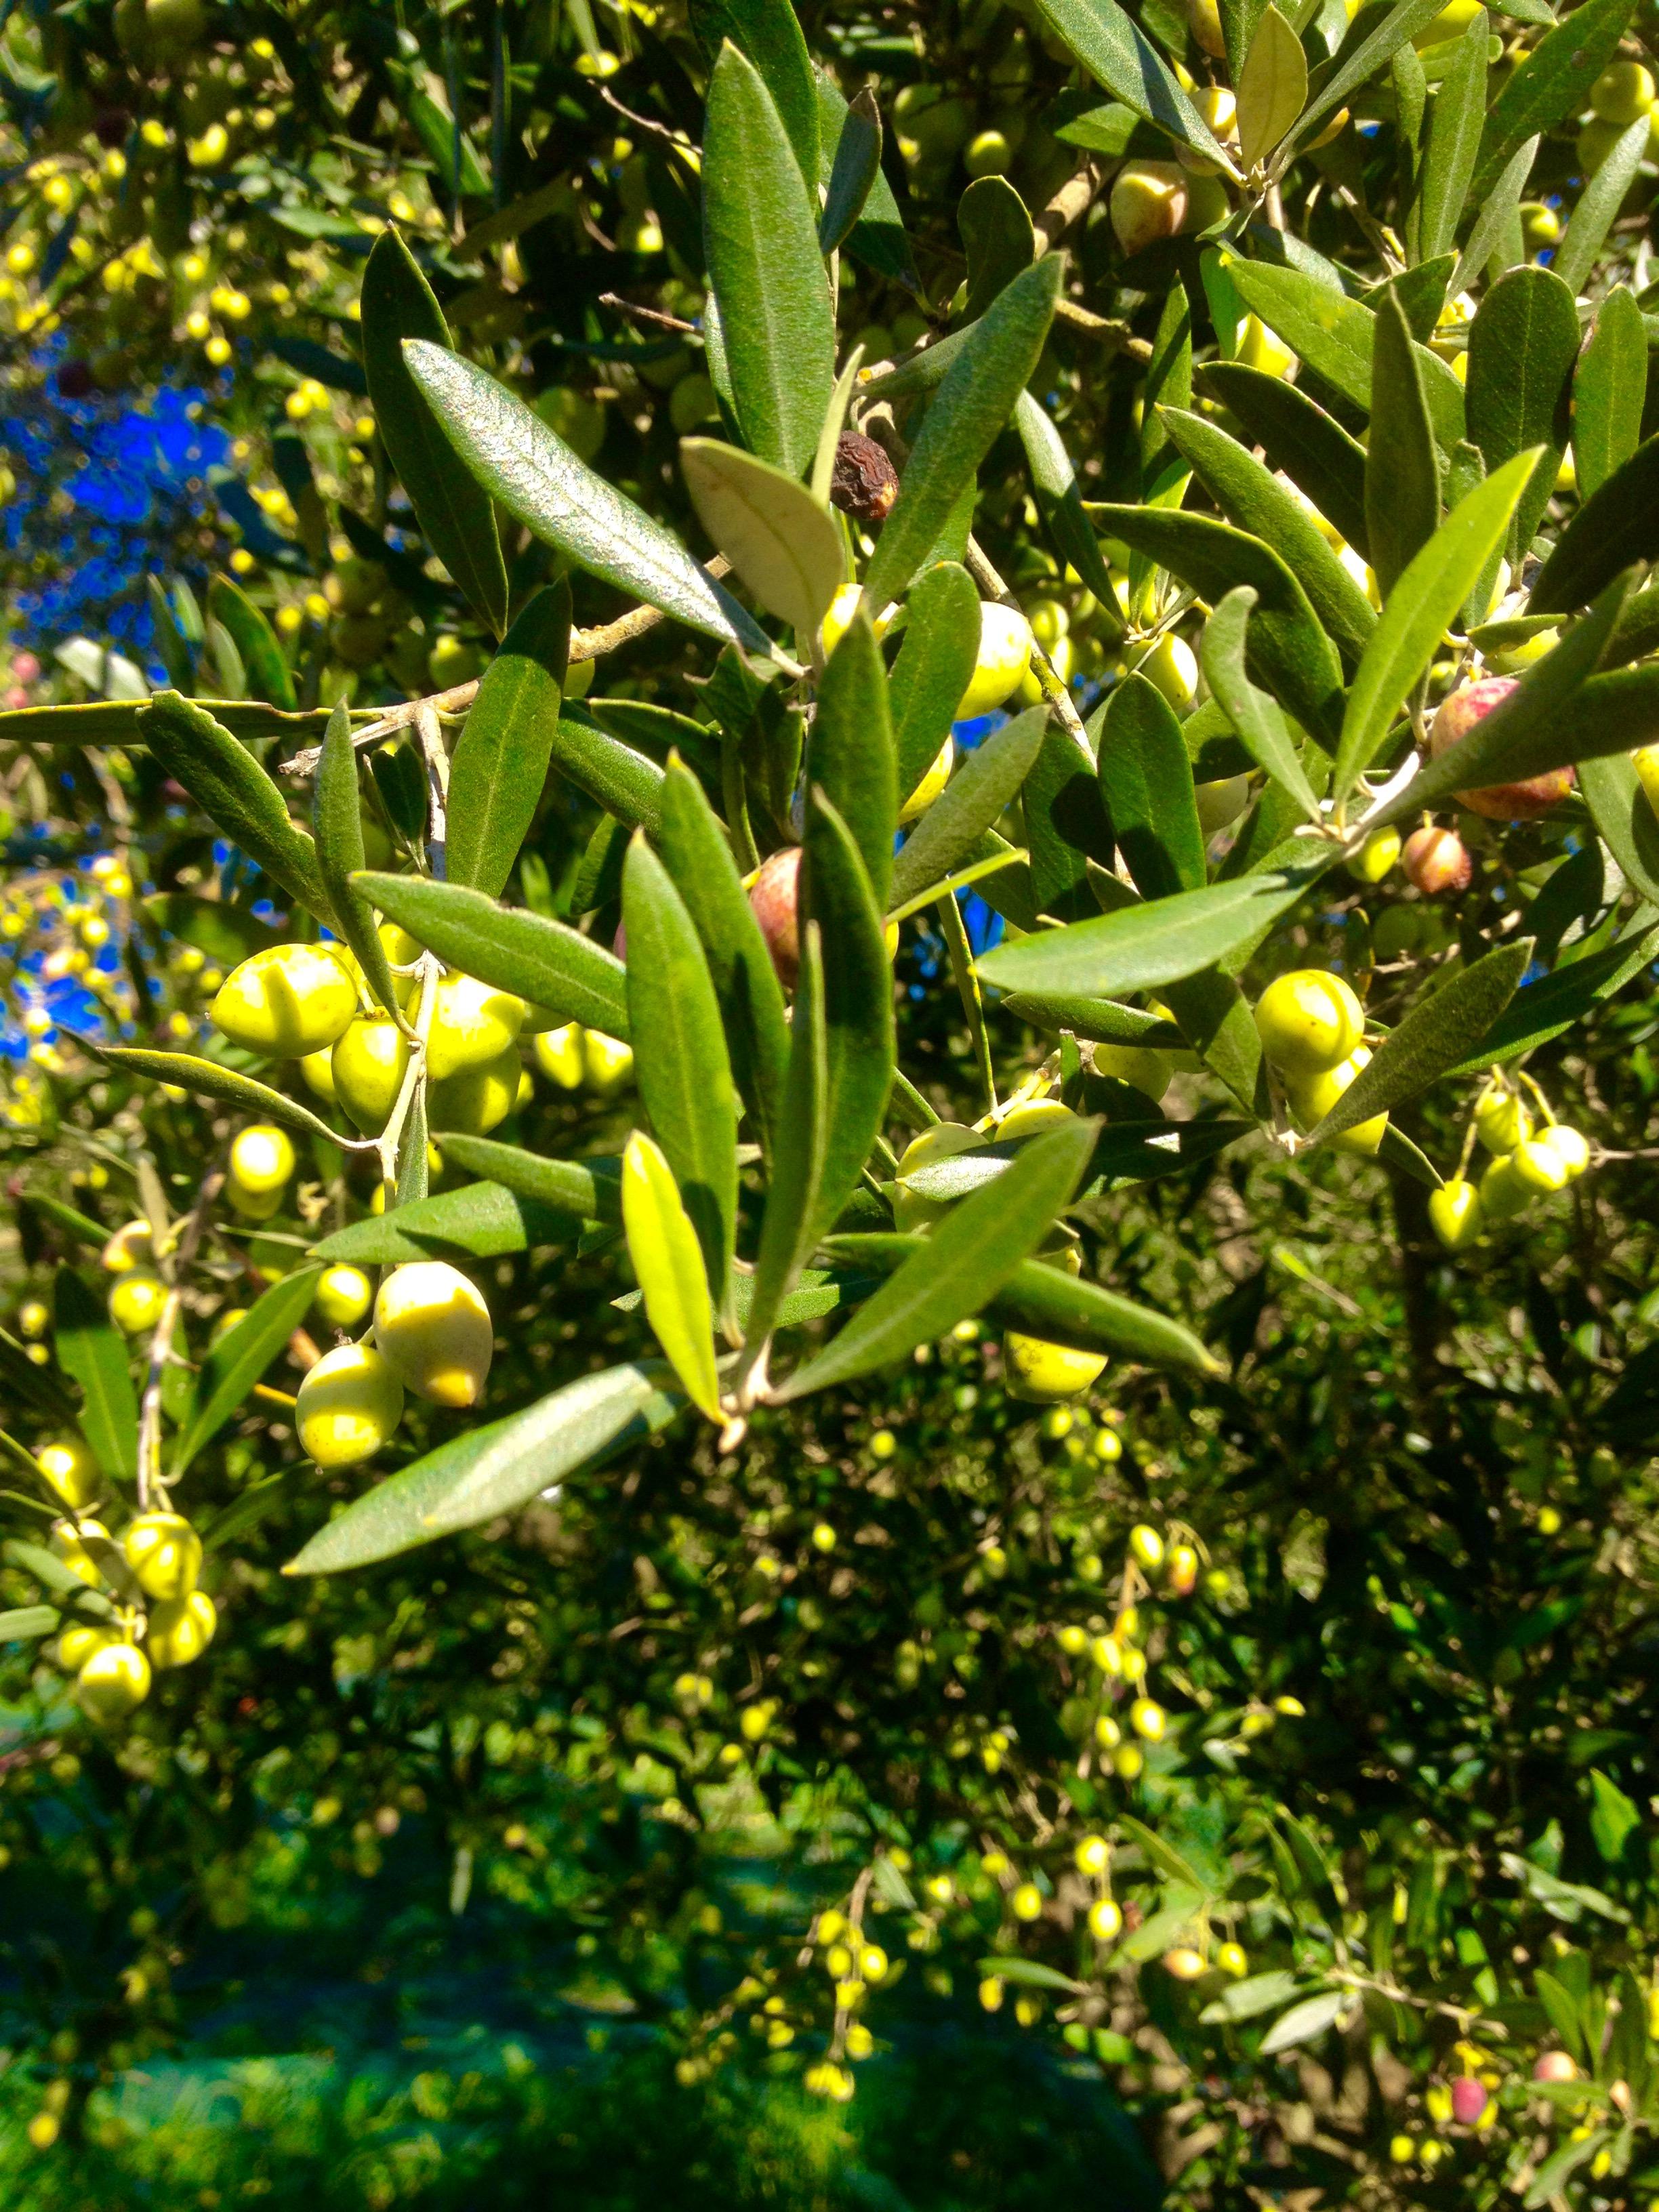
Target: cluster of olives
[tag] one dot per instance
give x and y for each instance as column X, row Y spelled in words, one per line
column 1311, row 1025
column 432, row 1334
column 162, row 1618
column 1531, row 1156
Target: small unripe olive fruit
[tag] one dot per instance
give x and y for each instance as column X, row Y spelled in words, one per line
column 286, row 1001
column 1040, row 1371
column 343, row 1296
column 1143, row 1066
column 1309, row 1021
column 165, row 1553
column 77, row 1643
column 135, row 1301
column 113, row 1682
column 1624, row 91
column 131, row 1246
column 368, row 1066
column 432, row 1324
column 348, row 1405
column 1502, row 1120
column 1455, row 1213
column 1569, row 1146
column 68, row 1543
column 1539, row 1165
column 318, row 1069
column 1503, row 1194
column 477, row 1099
column 1376, row 856
column 181, row 1629
column 1499, row 802
column 1183, row 1571
column 775, row 897
column 1004, row 654
column 1233, row 1958
column 1184, row 1963
column 932, row 783
column 607, row 1063
column 1314, row 1096
column 1438, row 862
column 558, row 1053
column 1148, row 203
column 253, row 1205
column 1554, row 2066
column 70, row 1468
column 1147, row 1546
column 472, row 1022
column 1148, row 1719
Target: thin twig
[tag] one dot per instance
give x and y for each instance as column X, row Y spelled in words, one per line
column 1054, row 687
column 654, row 316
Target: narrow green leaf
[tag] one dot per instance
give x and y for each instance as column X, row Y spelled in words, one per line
column 540, row 959
column 1101, row 1021
column 760, row 233
column 498, row 1469
column 1059, row 504
column 1617, row 525
column 1118, row 54
column 850, row 755
column 1522, row 345
column 1548, row 1008
column 1256, row 1993
column 1272, row 87
column 769, row 34
column 1256, row 718
column 500, row 762
column 857, row 165
column 482, row 1219
column 1371, row 54
column 668, row 1262
column 337, row 820
column 1609, row 388
column 1454, row 128
column 1146, row 781
column 1238, row 21
column 228, row 785
column 685, row 1077
column 1066, row 827
column 517, row 460
column 936, row 658
column 970, row 1254
column 974, row 401
column 268, row 673
column 877, row 237
column 25, row 1622
column 587, row 1189
column 1623, row 819
column 1598, row 205
column 1145, row 946
column 1313, row 2017
column 1540, row 726
column 1064, row 1308
column 696, row 856
column 997, row 236
column 1299, row 437
column 1420, row 610
column 858, row 1001
column 1290, row 653
column 1432, row 1038
column 455, row 514
column 240, row 1358
column 1219, row 1025
column 625, row 782
column 91, row 1350
column 1402, row 469
column 782, row 542
column 210, row 1080
column 1552, row 82
column 792, row 1197
column 973, row 799
column 1495, row 223
column 1254, row 499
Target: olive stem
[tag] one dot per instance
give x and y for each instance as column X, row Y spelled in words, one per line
column 391, row 1137
column 1054, row 691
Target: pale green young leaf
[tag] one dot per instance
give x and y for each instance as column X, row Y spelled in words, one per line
column 667, row 1258
column 208, row 1079
column 783, row 545
column 1272, row 87
column 337, row 826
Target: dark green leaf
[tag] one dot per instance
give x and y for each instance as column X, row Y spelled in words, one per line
column 1609, row 387
column 1258, row 503
column 210, row 1080
column 968, row 1257
column 1495, row 231
column 1256, row 718
column 1064, row 1308
column 685, row 1077
column 1554, row 1004
column 1459, row 113
column 974, row 401
column 792, row 1195
column 695, row 853
column 850, row 755
column 1101, row 1021
column 482, row 1219
column 936, row 658
column 497, row 1469
column 1146, row 781
column 585, row 1189
column 625, row 782
column 517, row 460
column 877, row 237
column 1598, row 205
column 92, row 1352
column 971, row 802
column 1146, row 947
column 1433, row 1038
column 760, row 235
column 1420, row 610
column 268, row 674
column 66, row 1218
column 455, row 514
column 1552, row 82
column 338, row 816
column 1617, row 525
column 1117, row 54
column 768, row 33
column 229, row 784
column 856, row 167
column 500, row 764
column 998, row 238
column 241, row 1356
column 858, row 1001
column 1522, row 345
column 1622, row 811
column 1402, row 469
column 1065, row 826
column 1217, row 1022
column 1059, row 502
column 1290, row 653
column 1370, row 54
column 784, row 546
column 1299, row 437
column 540, row 959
